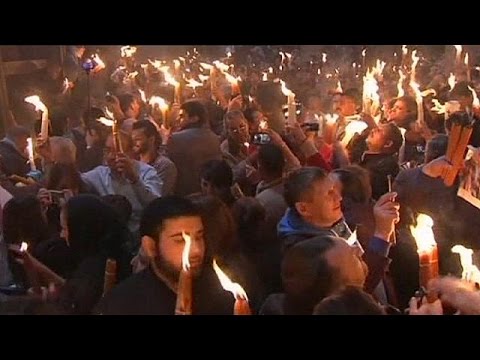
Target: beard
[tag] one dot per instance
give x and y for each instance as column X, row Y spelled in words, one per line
column 170, row 271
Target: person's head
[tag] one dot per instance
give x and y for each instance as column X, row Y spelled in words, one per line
column 269, row 97
column 145, row 137
column 130, row 105
column 193, row 112
column 78, row 51
column 349, row 102
column 121, row 205
column 161, row 226
column 314, row 102
column 236, row 127
column 313, row 194
column 436, row 147
column 23, row 220
column 219, row 225
column 19, row 136
column 91, row 227
column 216, row 178
column 63, row 150
column 462, row 94
column 249, row 215
column 109, row 154
column 254, row 117
column 64, row 176
column 96, row 133
column 351, row 300
column 403, row 111
column 354, row 183
column 335, row 102
column 271, row 162
column 59, row 122
column 315, row 268
column 385, row 139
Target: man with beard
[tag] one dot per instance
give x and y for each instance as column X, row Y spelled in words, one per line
column 153, row 290
column 146, row 143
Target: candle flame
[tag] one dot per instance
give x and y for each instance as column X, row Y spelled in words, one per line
column 142, row 95
column 476, row 102
column 128, row 51
column 324, row 57
column 352, row 128
column 109, row 113
column 285, row 90
column 231, row 79
column 186, row 251
column 265, row 77
column 402, row 77
column 438, row 108
column 160, row 102
column 466, row 59
column 228, row 285
column 106, row 122
column 331, row 118
column 193, row 83
column 229, row 54
column 99, row 62
column 319, row 72
column 404, row 50
column 170, row 79
column 415, row 60
column 364, row 52
column 470, row 272
column 246, row 144
column 423, row 233
column 203, row 77
column 66, row 84
column 458, row 48
column 176, row 64
column 155, row 63
column 35, row 101
column 339, row 87
column 428, row 92
column 221, row 66
column 24, row 246
column 270, row 70
column 263, row 125
column 452, row 80
column 206, row 66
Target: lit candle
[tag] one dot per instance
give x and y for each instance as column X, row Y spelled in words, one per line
column 24, row 246
column 157, row 101
column 364, row 52
column 352, row 128
column 292, row 109
column 402, row 77
column 234, row 83
column 426, row 249
column 31, row 156
column 458, row 55
column 419, row 99
column 404, row 54
column 171, row 80
column 241, row 306
column 40, row 106
column 184, row 289
column 452, row 80
column 470, row 272
column 469, row 78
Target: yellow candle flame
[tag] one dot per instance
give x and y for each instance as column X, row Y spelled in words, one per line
column 404, row 50
column 186, row 251
column 228, row 285
column 221, row 66
column 438, row 108
column 99, row 62
column 105, row 121
column 466, row 59
column 458, row 48
column 364, row 52
column 476, row 102
column 35, row 101
column 470, row 272
column 402, row 77
column 160, row 102
column 339, row 87
column 423, row 233
column 155, row 63
column 193, row 83
column 352, row 128
column 452, row 80
column 24, row 246
column 246, row 144
column 324, row 57
column 128, row 51
column 265, row 77
column 203, row 77
column 142, row 95
column 285, row 90
column 206, row 66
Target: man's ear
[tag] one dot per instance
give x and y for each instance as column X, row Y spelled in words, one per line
column 303, row 209
column 388, row 144
column 149, row 246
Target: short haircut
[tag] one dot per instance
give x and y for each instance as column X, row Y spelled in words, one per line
column 218, row 173
column 395, row 136
column 271, row 159
column 300, row 183
column 162, row 209
column 17, row 131
column 233, row 115
column 148, row 129
column 126, row 100
column 436, row 147
column 306, row 274
column 121, row 205
column 350, row 300
column 195, row 108
column 66, row 145
column 355, row 183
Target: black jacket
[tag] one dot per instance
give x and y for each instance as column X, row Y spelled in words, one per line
column 12, row 161
column 379, row 167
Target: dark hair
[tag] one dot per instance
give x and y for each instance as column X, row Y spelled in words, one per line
column 355, row 183
column 101, row 130
column 91, row 115
column 94, row 228
column 271, row 159
column 121, row 205
column 410, row 104
column 233, row 115
column 161, row 209
column 306, row 274
column 195, row 108
column 64, row 173
column 219, row 225
column 460, row 90
column 436, row 147
column 249, row 215
column 220, row 175
column 58, row 121
column 149, row 130
column 23, row 221
column 353, row 94
column 126, row 100
column 17, row 131
column 269, row 96
column 395, row 136
column 350, row 300
column 300, row 182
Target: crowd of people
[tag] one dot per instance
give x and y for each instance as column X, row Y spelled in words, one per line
column 139, row 154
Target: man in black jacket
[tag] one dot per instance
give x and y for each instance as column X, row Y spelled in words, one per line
column 153, row 291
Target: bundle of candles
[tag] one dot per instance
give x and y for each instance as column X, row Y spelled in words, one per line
column 462, row 127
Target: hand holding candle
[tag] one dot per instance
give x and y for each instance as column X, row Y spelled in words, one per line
column 40, row 106
column 184, row 289
column 241, row 306
column 292, row 109
column 31, row 156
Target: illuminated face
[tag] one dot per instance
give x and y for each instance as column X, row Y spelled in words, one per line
column 237, row 129
column 141, row 143
column 347, row 106
column 398, row 113
column 377, row 138
column 347, row 261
